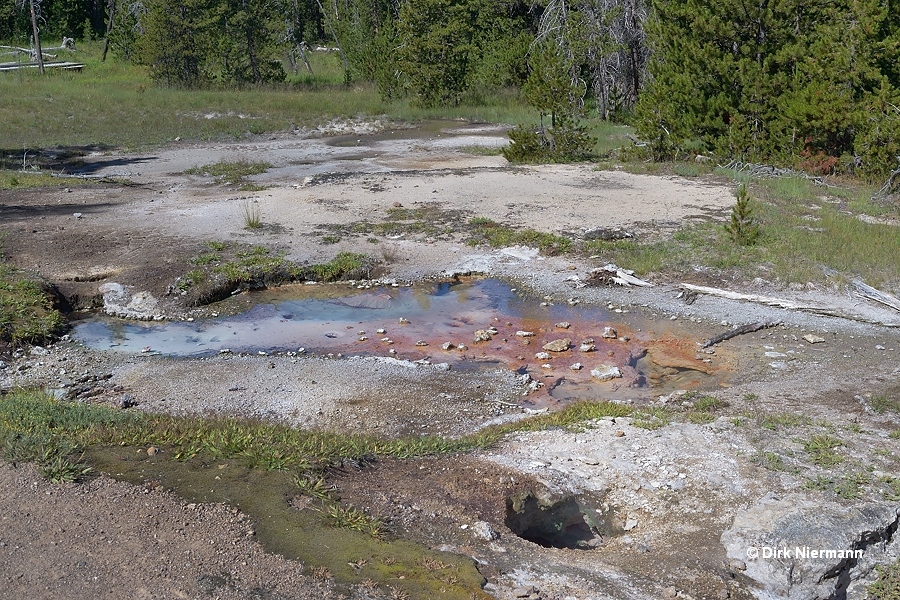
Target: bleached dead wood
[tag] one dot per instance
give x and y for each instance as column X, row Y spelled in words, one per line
column 613, row 274
column 867, row 291
column 787, row 304
column 759, row 299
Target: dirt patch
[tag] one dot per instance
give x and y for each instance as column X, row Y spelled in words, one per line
column 105, row 539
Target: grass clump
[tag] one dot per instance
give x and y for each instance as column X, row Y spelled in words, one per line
column 346, row 265
column 497, row 236
column 703, row 408
column 20, row 180
column 822, row 449
column 252, row 214
column 233, row 173
column 652, row 419
column 773, row 462
column 882, row 404
column 205, row 259
column 887, row 586
column 354, row 519
column 221, row 273
column 851, row 487
column 27, row 315
column 775, row 420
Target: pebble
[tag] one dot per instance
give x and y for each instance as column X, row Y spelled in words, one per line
column 813, row 339
column 542, row 355
column 577, row 366
column 381, row 331
column 525, row 333
column 362, row 338
column 152, row 451
column 403, row 321
column 421, row 343
column 563, row 325
column 737, row 564
column 447, row 346
column 609, row 333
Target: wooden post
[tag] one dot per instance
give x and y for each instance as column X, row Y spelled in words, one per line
column 37, row 39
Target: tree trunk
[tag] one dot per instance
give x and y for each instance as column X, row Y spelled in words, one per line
column 37, row 39
column 305, row 58
column 109, row 28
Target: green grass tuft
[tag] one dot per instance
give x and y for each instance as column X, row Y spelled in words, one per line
column 822, row 449
column 233, row 173
column 27, row 315
column 887, row 586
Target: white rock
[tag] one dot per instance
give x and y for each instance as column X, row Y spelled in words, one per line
column 483, row 530
column 606, row 372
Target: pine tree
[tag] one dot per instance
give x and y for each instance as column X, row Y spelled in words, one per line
column 743, row 227
column 787, row 82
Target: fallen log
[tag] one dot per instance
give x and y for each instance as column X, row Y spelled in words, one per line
column 760, row 299
column 739, row 331
column 788, row 304
column 867, row 291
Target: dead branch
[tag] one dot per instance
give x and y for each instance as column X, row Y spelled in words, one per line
column 760, row 170
column 739, row 331
column 888, row 185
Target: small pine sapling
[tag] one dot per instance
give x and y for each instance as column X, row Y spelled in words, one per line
column 743, row 228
